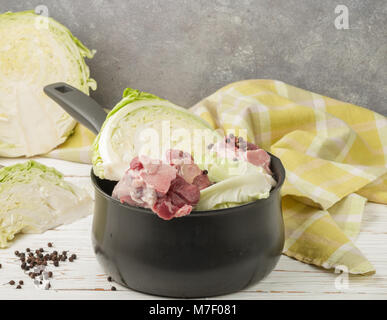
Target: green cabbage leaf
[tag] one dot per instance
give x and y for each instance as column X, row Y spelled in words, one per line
column 236, row 190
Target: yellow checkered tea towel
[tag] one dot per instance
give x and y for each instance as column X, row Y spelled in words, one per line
column 335, row 156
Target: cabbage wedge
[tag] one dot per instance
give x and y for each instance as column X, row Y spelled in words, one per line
column 142, row 123
column 35, row 198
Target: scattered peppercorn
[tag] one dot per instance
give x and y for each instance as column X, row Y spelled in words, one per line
column 0, row 265
column 37, row 259
column 110, row 279
column 114, row 288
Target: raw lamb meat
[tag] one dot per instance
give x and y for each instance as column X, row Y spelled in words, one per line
column 170, row 188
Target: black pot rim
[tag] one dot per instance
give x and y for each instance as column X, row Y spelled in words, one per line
column 280, row 181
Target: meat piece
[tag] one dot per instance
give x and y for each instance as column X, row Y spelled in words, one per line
column 236, row 148
column 189, row 192
column 133, row 189
column 252, row 146
column 165, row 211
column 179, row 200
column 136, row 164
column 189, row 172
column 202, row 181
column 183, row 211
column 259, row 157
column 158, row 176
column 185, row 166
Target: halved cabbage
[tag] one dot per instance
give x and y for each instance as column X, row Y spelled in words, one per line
column 142, row 123
column 35, row 198
column 36, row 51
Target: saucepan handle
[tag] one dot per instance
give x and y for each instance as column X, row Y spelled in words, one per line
column 79, row 105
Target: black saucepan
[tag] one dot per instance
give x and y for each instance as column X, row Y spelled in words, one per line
column 206, row 253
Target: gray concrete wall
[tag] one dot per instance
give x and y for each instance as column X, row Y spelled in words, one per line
column 184, row 50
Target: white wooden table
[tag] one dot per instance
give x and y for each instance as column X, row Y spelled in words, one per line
column 85, row 279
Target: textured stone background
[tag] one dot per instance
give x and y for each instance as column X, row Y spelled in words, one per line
column 184, row 50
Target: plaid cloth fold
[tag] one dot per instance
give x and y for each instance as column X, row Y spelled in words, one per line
column 334, row 153
column 335, row 156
